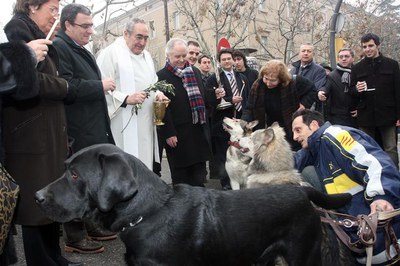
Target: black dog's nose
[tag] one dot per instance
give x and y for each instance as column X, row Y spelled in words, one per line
column 39, row 197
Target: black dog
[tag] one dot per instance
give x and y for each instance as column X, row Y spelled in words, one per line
column 184, row 225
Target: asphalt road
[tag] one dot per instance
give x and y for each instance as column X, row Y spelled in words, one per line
column 113, row 254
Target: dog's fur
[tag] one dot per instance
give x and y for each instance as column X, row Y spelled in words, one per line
column 272, row 158
column 236, row 159
column 273, row 163
column 185, row 225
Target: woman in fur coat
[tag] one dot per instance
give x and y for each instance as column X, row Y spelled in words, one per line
column 35, row 134
column 16, row 82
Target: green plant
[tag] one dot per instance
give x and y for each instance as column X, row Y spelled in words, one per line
column 158, row 86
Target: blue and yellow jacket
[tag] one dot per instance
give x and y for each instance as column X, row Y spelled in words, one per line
column 348, row 160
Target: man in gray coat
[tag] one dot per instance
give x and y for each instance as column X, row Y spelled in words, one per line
column 307, row 68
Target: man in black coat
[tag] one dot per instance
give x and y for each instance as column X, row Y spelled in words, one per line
column 85, row 105
column 242, row 67
column 186, row 130
column 375, row 83
column 341, row 109
column 227, row 77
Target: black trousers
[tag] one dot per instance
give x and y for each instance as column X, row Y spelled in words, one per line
column 41, row 244
column 194, row 175
column 221, row 146
column 76, row 231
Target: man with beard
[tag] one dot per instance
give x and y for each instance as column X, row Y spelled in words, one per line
column 336, row 91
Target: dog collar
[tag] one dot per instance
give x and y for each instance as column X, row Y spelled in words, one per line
column 132, row 224
column 237, row 145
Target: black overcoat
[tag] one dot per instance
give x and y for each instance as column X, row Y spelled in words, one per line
column 193, row 140
column 218, row 115
column 86, row 107
column 380, row 107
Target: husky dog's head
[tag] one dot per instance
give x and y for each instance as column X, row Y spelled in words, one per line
column 238, row 128
column 269, row 148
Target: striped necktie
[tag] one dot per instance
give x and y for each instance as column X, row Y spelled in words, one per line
column 235, row 91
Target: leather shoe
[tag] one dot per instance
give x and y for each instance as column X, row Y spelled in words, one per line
column 84, row 246
column 101, row 234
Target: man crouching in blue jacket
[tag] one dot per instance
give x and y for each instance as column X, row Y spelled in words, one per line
column 348, row 160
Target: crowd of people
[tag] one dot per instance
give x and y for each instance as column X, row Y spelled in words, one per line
column 64, row 99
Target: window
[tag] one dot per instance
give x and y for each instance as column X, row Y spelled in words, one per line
column 264, row 41
column 176, row 23
column 262, row 5
column 152, row 29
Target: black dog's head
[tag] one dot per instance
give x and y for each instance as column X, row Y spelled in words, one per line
column 97, row 177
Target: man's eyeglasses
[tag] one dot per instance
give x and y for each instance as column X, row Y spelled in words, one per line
column 344, row 56
column 53, row 10
column 84, row 26
column 140, row 37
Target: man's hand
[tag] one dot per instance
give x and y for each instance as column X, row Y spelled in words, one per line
column 236, row 99
column 380, row 205
column 136, row 97
column 219, row 92
column 322, row 96
column 160, row 97
column 172, row 141
column 108, row 84
column 40, row 48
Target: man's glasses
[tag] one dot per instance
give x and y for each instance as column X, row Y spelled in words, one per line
column 84, row 26
column 140, row 37
column 344, row 56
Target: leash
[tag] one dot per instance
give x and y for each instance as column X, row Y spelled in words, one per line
column 367, row 226
column 237, row 145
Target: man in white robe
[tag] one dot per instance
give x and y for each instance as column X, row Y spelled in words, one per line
column 132, row 67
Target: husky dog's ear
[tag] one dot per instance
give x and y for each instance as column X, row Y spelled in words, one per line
column 268, row 135
column 243, row 123
column 275, row 124
column 250, row 125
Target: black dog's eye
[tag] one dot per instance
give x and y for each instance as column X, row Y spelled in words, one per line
column 74, row 176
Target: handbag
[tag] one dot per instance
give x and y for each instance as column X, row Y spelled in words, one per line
column 9, row 191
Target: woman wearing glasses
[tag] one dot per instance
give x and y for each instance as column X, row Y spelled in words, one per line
column 35, row 133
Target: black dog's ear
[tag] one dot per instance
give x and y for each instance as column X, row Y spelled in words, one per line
column 118, row 182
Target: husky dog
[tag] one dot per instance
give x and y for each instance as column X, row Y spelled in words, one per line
column 236, row 158
column 272, row 158
column 273, row 163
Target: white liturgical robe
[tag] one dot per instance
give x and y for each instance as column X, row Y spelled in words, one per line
column 134, row 133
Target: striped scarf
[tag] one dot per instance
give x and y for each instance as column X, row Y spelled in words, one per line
column 190, row 84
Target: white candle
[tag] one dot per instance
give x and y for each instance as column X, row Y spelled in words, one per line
column 52, row 29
